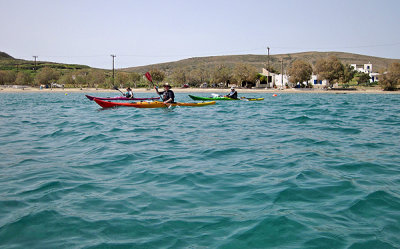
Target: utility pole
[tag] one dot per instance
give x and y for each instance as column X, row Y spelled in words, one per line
column 35, row 56
column 282, row 72
column 268, row 69
column 113, row 56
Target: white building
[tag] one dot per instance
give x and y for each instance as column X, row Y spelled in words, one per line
column 282, row 81
column 276, row 79
column 270, row 79
column 366, row 68
column 316, row 82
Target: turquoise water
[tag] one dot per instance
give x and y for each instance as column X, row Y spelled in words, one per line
column 292, row 171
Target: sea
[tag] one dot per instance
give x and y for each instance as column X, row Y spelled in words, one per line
column 296, row 170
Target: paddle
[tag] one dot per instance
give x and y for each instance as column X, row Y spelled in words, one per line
column 116, row 88
column 148, row 76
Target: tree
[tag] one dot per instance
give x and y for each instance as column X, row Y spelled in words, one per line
column 271, row 69
column 390, row 80
column 135, row 78
column 330, row 69
column 348, row 73
column 362, row 78
column 300, row 71
column 199, row 76
column 46, row 76
column 222, row 74
column 157, row 75
column 24, row 78
column 122, row 79
column 7, row 77
column 244, row 73
column 262, row 78
column 67, row 79
column 179, row 76
column 96, row 78
column 80, row 77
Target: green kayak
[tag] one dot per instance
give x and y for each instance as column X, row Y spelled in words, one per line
column 223, row 98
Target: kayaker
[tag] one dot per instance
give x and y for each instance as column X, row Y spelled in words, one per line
column 168, row 95
column 232, row 94
column 129, row 93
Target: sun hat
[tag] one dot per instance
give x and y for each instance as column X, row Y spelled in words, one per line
column 232, row 87
column 167, row 84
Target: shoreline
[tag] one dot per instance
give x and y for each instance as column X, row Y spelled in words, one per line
column 194, row 90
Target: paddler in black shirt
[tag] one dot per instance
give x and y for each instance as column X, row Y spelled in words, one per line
column 168, row 95
column 232, row 94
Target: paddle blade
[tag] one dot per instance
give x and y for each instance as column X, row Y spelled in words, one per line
column 148, row 76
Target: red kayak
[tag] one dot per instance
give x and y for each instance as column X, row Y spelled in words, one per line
column 121, row 98
column 145, row 104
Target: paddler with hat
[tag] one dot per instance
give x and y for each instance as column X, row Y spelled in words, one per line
column 232, row 94
column 168, row 95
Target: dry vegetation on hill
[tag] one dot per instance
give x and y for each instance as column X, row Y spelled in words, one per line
column 260, row 61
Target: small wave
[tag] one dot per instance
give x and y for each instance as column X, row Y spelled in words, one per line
column 95, row 150
column 42, row 188
column 116, row 129
column 303, row 141
column 376, row 203
column 370, row 145
column 27, row 161
column 270, row 232
column 343, row 130
column 364, row 168
column 226, row 152
column 10, row 133
column 301, row 119
column 325, row 241
column 61, row 133
column 374, row 243
column 194, row 180
column 296, row 194
column 94, row 138
column 10, row 205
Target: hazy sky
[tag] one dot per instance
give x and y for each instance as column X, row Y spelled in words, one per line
column 154, row 31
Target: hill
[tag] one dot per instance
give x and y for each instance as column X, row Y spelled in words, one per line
column 5, row 56
column 260, row 61
column 8, row 62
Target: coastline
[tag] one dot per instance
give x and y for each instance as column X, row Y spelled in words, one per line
column 194, row 90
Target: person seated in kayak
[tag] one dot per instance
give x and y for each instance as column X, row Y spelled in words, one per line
column 129, row 93
column 168, row 95
column 232, row 94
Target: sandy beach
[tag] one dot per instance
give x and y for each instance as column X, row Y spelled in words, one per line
column 196, row 90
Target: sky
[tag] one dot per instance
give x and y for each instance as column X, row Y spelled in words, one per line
column 154, row 31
